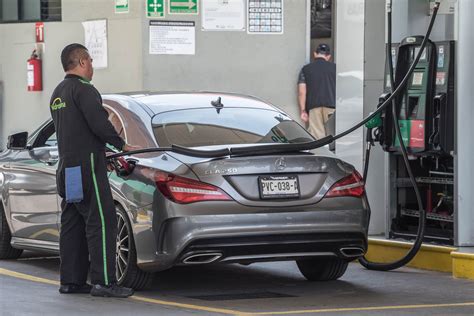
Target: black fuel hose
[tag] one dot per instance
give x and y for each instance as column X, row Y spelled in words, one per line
column 281, row 148
column 422, row 212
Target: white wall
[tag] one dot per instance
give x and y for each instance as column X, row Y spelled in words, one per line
column 24, row 110
column 266, row 66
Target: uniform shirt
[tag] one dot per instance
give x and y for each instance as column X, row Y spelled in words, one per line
column 320, row 79
column 81, row 122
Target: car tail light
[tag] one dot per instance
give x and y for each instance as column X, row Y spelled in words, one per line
column 352, row 185
column 183, row 190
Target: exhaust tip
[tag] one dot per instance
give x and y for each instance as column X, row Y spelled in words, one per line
column 202, row 258
column 352, row 252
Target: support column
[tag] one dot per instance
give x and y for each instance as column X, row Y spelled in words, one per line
column 374, row 66
column 465, row 124
column 350, row 78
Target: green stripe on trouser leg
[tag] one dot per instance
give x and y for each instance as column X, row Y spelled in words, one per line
column 104, row 248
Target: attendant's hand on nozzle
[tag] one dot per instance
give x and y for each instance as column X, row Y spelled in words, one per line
column 304, row 116
column 128, row 147
column 110, row 166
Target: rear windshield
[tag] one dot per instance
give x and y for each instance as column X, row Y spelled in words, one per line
column 208, row 127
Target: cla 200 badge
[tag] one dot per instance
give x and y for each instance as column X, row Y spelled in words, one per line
column 220, row 171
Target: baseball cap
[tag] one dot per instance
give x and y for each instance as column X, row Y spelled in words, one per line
column 323, row 49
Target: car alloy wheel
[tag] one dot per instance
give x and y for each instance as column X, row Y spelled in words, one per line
column 122, row 253
column 127, row 272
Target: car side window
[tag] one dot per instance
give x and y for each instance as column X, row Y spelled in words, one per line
column 52, row 141
column 116, row 121
column 46, row 137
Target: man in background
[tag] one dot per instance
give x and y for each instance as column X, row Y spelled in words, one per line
column 317, row 91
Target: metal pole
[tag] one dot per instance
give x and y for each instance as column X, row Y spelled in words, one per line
column 465, row 128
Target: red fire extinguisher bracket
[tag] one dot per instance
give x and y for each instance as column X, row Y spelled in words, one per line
column 34, row 73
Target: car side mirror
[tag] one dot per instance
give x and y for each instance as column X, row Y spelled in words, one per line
column 17, row 141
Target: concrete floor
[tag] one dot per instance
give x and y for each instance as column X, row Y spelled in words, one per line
column 258, row 289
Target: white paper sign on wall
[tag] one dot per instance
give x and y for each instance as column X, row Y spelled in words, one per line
column 95, row 35
column 223, row 15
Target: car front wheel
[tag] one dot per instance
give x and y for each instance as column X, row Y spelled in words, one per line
column 322, row 268
column 126, row 269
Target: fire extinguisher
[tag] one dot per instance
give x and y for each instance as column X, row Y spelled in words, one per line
column 34, row 73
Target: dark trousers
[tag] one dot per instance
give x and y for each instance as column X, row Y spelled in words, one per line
column 88, row 228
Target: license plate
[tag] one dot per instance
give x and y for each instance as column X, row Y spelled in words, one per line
column 278, row 187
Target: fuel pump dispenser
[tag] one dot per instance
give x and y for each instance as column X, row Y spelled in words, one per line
column 426, row 110
column 425, row 115
column 413, row 106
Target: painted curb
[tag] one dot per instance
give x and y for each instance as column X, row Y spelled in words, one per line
column 463, row 265
column 430, row 257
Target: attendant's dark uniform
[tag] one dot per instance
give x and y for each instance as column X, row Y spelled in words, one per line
column 89, row 227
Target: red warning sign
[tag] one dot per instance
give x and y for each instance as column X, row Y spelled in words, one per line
column 417, row 134
column 440, row 78
column 39, row 27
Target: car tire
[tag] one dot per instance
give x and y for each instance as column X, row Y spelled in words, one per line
column 128, row 273
column 323, row 268
column 6, row 249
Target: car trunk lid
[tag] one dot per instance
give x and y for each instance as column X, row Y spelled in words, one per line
column 274, row 180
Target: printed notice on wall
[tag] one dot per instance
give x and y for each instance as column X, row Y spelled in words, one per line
column 223, row 15
column 95, row 35
column 172, row 37
column 265, row 17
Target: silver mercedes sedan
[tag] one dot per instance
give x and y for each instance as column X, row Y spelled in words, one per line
column 176, row 208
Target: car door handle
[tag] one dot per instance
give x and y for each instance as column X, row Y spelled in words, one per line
column 51, row 162
column 53, row 158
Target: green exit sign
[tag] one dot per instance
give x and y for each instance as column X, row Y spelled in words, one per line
column 183, row 7
column 155, row 8
column 121, row 6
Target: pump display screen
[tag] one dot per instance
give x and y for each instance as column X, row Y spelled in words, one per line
column 417, row 50
column 417, row 79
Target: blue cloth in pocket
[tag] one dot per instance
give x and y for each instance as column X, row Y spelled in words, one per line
column 74, row 192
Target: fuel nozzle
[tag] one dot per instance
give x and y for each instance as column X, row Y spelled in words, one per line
column 122, row 166
column 375, row 125
column 377, row 121
column 373, row 129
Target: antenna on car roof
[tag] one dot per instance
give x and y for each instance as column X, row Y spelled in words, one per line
column 217, row 104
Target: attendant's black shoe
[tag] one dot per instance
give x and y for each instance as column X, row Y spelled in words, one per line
column 75, row 288
column 112, row 290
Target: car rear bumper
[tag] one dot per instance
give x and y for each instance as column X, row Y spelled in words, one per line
column 247, row 249
column 255, row 237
